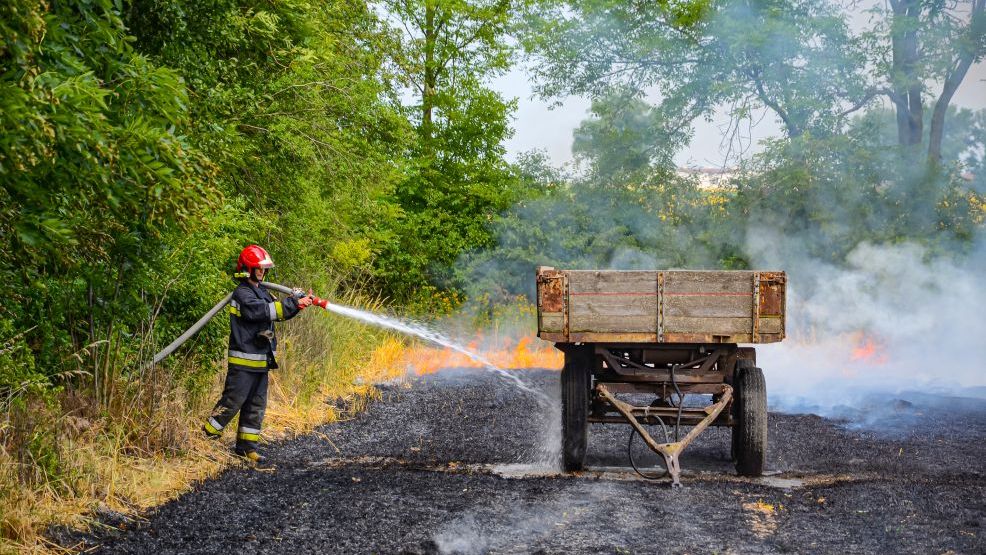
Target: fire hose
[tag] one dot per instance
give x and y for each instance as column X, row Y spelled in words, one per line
column 212, row 314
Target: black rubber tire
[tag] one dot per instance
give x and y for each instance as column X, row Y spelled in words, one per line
column 734, row 432
column 575, row 377
column 750, row 412
column 741, row 365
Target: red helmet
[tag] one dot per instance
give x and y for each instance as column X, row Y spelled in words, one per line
column 254, row 256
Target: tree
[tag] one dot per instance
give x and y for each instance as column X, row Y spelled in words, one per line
column 922, row 43
column 446, row 51
column 625, row 140
column 795, row 59
column 445, row 42
column 827, row 195
column 96, row 173
column 292, row 102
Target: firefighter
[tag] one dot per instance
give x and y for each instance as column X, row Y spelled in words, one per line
column 252, row 351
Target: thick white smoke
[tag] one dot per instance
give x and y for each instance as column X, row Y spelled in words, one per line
column 893, row 319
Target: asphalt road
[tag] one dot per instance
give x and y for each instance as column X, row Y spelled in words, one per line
column 462, row 462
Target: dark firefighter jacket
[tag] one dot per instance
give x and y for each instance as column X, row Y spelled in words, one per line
column 252, row 313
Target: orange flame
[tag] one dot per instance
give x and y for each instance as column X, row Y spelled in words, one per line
column 527, row 352
column 869, row 350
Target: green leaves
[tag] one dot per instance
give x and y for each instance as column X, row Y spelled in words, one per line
column 796, row 59
column 445, row 53
column 85, row 141
column 625, row 140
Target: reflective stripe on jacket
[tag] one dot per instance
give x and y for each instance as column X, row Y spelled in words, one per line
column 252, row 313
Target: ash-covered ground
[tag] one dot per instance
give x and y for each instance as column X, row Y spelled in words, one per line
column 446, row 464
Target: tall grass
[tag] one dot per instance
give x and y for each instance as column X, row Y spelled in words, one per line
column 66, row 456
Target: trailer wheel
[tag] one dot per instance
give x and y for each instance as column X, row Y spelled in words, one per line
column 575, row 406
column 750, row 413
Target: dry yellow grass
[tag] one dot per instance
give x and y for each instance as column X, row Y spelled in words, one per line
column 107, row 464
column 106, row 478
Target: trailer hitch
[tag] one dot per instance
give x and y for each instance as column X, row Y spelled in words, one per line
column 669, row 451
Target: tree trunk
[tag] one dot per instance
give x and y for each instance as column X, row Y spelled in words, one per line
column 968, row 51
column 941, row 108
column 907, row 87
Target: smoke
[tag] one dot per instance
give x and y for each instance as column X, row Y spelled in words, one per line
column 463, row 537
column 587, row 225
column 876, row 324
column 893, row 320
column 486, row 530
column 886, row 291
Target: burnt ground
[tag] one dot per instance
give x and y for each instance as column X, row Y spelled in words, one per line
column 443, row 465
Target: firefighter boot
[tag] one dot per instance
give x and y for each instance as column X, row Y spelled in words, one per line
column 253, row 457
column 212, row 429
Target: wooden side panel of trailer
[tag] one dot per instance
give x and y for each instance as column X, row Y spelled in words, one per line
column 675, row 306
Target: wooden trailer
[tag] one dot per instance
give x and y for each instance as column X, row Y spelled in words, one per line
column 667, row 334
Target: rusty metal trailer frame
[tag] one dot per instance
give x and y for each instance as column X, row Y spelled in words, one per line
column 706, row 369
column 669, row 451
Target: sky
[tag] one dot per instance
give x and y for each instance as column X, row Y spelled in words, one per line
column 538, row 126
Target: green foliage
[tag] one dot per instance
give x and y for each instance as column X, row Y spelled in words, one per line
column 794, row 58
column 630, row 216
column 95, row 173
column 629, row 209
column 802, row 61
column 921, row 53
column 625, row 140
column 290, row 105
column 836, row 192
column 459, row 181
column 829, row 184
column 145, row 143
column 451, row 199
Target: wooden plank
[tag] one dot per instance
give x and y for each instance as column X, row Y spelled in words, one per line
column 712, row 326
column 612, row 337
column 612, row 325
column 553, row 321
column 736, row 282
column 707, row 338
column 615, row 305
column 696, row 307
column 617, row 313
column 616, row 337
column 556, row 337
column 708, row 307
column 601, row 283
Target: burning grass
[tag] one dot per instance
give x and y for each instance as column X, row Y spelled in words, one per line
column 868, row 349
column 507, row 353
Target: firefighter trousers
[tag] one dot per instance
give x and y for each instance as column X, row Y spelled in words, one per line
column 244, row 392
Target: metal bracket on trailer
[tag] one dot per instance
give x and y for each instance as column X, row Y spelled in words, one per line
column 669, row 451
